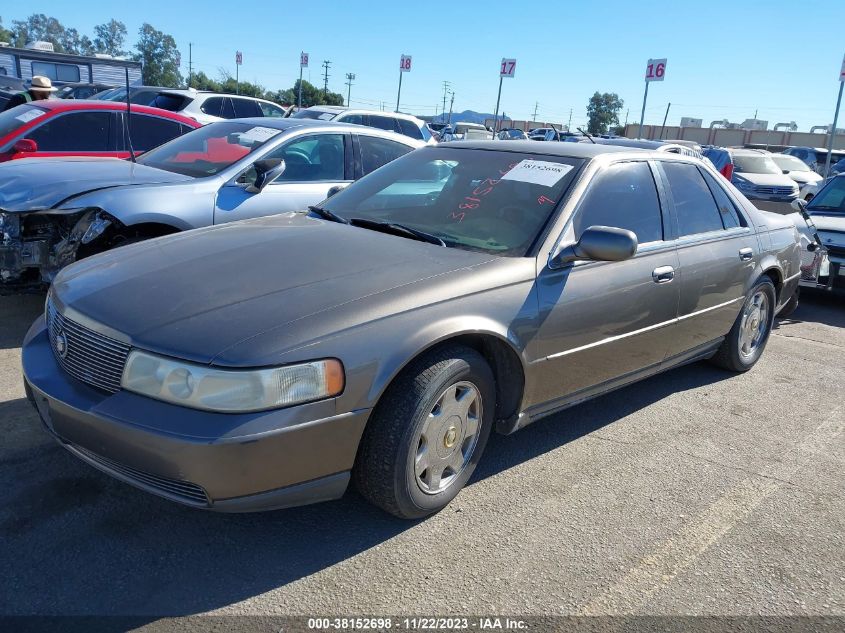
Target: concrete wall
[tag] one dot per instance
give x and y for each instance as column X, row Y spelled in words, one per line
column 720, row 136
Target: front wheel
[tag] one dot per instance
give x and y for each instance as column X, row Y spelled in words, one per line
column 747, row 339
column 427, row 433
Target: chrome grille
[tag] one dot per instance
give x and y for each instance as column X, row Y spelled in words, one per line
column 88, row 356
column 775, row 191
column 183, row 491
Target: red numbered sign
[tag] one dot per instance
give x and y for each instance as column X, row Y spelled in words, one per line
column 655, row 70
column 303, row 60
column 508, row 68
column 239, row 58
column 405, row 63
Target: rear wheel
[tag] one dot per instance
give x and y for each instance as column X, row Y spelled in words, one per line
column 427, row 433
column 747, row 339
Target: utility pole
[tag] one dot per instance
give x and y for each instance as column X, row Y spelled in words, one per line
column 536, row 105
column 350, row 77
column 569, row 125
column 451, row 103
column 326, row 64
column 446, row 86
column 626, row 118
column 666, row 116
column 190, row 63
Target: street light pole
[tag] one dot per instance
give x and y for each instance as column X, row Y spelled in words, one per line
column 498, row 100
column 642, row 115
column 833, row 129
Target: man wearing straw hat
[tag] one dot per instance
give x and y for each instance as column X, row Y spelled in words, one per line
column 40, row 88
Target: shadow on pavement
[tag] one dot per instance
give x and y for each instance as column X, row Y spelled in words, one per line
column 78, row 542
column 817, row 306
column 16, row 315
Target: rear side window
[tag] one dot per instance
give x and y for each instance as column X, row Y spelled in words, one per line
column 376, row 152
column 245, row 108
column 75, row 132
column 213, row 106
column 173, row 103
column 694, row 204
column 624, row 196
column 409, row 129
column 356, row 119
column 150, row 131
column 383, row 123
column 730, row 217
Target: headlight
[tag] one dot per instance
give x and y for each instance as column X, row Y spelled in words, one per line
column 231, row 390
column 741, row 183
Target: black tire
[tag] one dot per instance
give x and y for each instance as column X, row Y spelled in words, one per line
column 729, row 356
column 790, row 306
column 384, row 471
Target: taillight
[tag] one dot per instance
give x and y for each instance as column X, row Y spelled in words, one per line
column 728, row 171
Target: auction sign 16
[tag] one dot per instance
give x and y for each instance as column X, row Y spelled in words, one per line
column 655, row 70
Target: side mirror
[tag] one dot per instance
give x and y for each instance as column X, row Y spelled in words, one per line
column 266, row 171
column 798, row 204
column 25, row 146
column 785, row 171
column 334, row 190
column 599, row 243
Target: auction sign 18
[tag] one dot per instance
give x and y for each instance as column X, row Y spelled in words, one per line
column 655, row 70
column 405, row 63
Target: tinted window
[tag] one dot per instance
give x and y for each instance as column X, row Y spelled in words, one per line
column 831, row 199
column 213, row 106
column 56, row 72
column 75, row 132
column 314, row 114
column 245, row 108
column 356, row 119
column 383, row 123
column 730, row 217
column 694, row 204
column 16, row 117
column 150, row 131
column 623, row 195
column 409, row 129
column 376, row 152
column 312, row 158
column 174, row 103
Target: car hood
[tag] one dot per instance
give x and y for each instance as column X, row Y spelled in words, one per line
column 804, row 177
column 194, row 295
column 43, row 183
column 828, row 222
column 766, row 180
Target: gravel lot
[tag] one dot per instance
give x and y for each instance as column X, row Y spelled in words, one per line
column 695, row 492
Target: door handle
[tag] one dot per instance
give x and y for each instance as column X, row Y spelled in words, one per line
column 663, row 274
column 746, row 254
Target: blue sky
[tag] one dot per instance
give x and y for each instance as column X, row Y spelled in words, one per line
column 726, row 58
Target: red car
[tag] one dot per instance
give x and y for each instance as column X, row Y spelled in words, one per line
column 85, row 128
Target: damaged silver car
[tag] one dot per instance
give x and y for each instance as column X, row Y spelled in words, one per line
column 56, row 211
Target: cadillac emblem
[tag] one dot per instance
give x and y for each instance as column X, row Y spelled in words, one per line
column 61, row 343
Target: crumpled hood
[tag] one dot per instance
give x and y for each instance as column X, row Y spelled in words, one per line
column 195, row 294
column 35, row 184
column 829, row 222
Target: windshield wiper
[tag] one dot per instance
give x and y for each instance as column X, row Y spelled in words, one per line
column 397, row 229
column 326, row 214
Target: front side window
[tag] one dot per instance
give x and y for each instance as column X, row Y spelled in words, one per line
column 480, row 200
column 694, row 204
column 624, row 196
column 312, row 159
column 409, row 129
column 74, row 132
column 376, row 152
column 271, row 110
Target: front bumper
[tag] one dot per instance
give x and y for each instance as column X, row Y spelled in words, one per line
column 225, row 462
column 823, row 270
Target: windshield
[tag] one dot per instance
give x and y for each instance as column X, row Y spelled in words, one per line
column 322, row 115
column 491, row 201
column 755, row 165
column 790, row 163
column 11, row 120
column 210, row 149
column 831, row 198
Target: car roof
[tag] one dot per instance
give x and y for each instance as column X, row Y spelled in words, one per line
column 342, row 109
column 68, row 105
column 277, row 123
column 741, row 151
column 569, row 150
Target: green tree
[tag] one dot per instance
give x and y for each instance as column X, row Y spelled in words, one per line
column 229, row 85
column 5, row 34
column 159, row 56
column 40, row 27
column 603, row 111
column 109, row 38
column 311, row 95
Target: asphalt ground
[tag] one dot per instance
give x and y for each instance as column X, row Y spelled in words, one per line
column 695, row 492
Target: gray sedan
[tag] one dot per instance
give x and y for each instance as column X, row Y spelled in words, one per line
column 380, row 338
column 53, row 212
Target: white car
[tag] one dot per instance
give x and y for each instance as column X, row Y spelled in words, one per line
column 796, row 169
column 209, row 107
column 404, row 124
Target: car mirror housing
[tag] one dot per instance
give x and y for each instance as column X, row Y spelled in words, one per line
column 266, row 171
column 798, row 204
column 25, row 146
column 599, row 243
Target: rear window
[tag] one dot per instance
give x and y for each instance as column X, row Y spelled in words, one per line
column 174, row 103
column 314, row 114
column 11, row 120
column 409, row 129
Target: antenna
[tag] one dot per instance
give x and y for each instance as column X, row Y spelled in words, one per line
column 126, row 118
column 587, row 135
